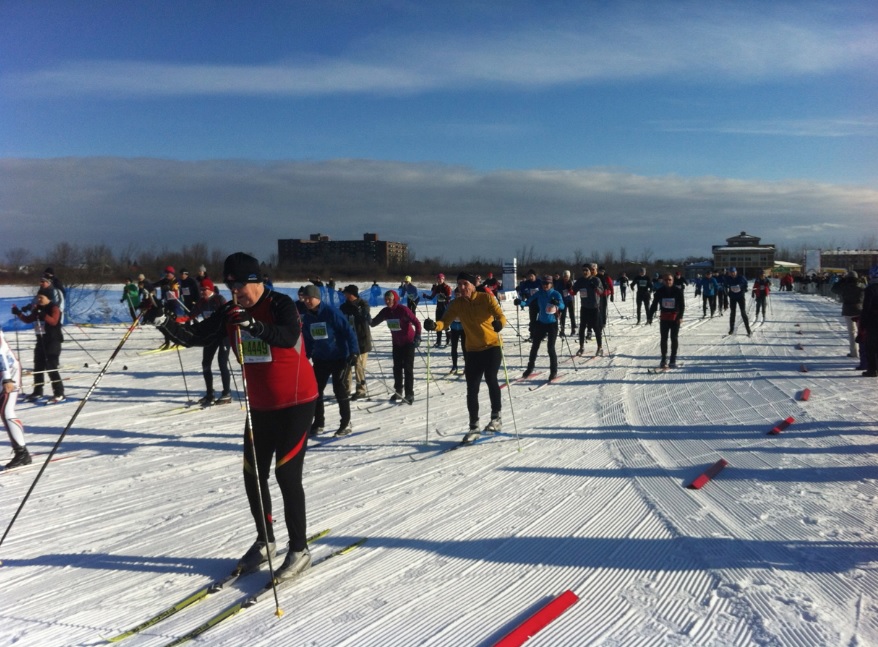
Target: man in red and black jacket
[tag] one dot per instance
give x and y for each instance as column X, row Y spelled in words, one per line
column 670, row 302
column 264, row 328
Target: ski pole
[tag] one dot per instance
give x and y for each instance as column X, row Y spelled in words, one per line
column 239, row 351
column 427, row 364
column 76, row 341
column 572, row 356
column 183, row 373
column 427, row 430
column 69, row 425
column 509, row 391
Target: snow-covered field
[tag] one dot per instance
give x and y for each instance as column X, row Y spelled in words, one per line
column 779, row 549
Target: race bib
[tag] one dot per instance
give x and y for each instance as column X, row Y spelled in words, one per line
column 669, row 304
column 393, row 325
column 254, row 350
column 583, row 293
column 39, row 327
column 736, row 288
column 319, row 331
column 550, row 309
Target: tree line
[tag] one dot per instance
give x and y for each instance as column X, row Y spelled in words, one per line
column 99, row 264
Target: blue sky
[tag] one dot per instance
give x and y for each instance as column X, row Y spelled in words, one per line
column 459, row 127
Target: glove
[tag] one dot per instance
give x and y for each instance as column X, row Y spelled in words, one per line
column 28, row 307
column 352, row 359
column 516, row 301
column 417, row 341
column 15, row 310
column 429, row 324
column 497, row 325
column 243, row 319
column 154, row 316
column 611, row 298
column 554, row 301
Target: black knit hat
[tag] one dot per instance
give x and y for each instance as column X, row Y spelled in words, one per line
column 241, row 268
column 466, row 276
column 352, row 289
column 46, row 292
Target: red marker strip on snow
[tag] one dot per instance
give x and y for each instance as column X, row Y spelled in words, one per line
column 539, row 620
column 712, row 471
column 781, row 426
column 806, row 393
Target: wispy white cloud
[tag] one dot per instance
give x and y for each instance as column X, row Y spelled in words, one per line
column 853, row 127
column 644, row 41
column 445, row 211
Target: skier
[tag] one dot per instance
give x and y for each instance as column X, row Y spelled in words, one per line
column 671, row 302
column 737, row 287
column 850, row 290
column 565, row 287
column 589, row 288
column 408, row 294
column 869, row 323
column 643, row 286
column 131, row 297
column 482, row 320
column 331, row 345
column 189, row 293
column 550, row 302
column 441, row 291
column 608, row 295
column 405, row 334
column 491, row 285
column 528, row 287
column 709, row 287
column 761, row 289
column 458, row 338
column 622, row 282
column 46, row 318
column 359, row 316
column 211, row 302
column 282, row 395
column 722, row 294
column 10, row 371
column 169, row 296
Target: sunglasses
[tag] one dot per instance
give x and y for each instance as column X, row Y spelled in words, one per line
column 234, row 285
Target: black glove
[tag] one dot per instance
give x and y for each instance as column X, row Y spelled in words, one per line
column 611, row 298
column 15, row 310
column 516, row 301
column 429, row 324
column 497, row 325
column 417, row 341
column 352, row 359
column 28, row 307
column 243, row 319
column 554, row 301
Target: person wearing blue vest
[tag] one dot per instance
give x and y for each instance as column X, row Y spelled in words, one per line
column 331, row 345
column 709, row 287
column 549, row 303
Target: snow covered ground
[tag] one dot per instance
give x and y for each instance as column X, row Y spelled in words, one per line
column 779, row 549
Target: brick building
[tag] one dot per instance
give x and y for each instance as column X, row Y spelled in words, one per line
column 319, row 248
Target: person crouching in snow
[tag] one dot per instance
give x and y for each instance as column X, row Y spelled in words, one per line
column 405, row 333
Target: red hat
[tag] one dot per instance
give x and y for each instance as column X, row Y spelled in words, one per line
column 170, row 270
column 207, row 284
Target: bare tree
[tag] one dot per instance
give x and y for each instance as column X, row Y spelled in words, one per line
column 18, row 258
column 646, row 255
